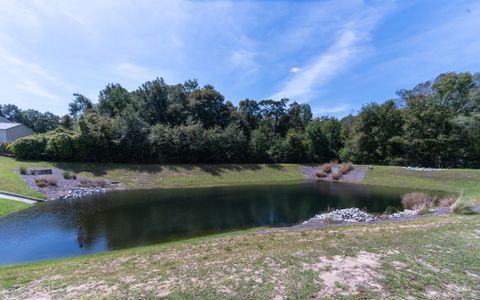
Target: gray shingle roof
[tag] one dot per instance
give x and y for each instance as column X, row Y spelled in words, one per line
column 8, row 125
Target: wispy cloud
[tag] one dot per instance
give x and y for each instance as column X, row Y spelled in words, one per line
column 347, row 45
column 322, row 69
column 322, row 110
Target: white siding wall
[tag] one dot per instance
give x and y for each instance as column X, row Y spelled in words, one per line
column 18, row 132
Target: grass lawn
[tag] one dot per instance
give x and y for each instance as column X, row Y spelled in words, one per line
column 437, row 257
column 460, row 181
column 10, row 206
column 434, row 257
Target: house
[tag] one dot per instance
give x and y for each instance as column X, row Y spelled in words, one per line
column 10, row 131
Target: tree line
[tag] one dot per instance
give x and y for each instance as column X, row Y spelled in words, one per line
column 437, row 123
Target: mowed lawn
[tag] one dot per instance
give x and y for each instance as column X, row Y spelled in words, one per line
column 10, row 206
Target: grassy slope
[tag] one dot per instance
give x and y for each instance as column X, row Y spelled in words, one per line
column 438, row 257
column 156, row 175
column 464, row 181
column 435, row 256
column 10, row 206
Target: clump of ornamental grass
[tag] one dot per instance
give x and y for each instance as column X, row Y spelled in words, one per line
column 337, row 175
column 327, row 168
column 23, row 170
column 69, row 175
column 321, row 174
column 447, row 201
column 418, row 201
column 92, row 183
column 45, row 181
column 345, row 168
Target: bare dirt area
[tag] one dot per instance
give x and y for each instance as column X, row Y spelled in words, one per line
column 355, row 175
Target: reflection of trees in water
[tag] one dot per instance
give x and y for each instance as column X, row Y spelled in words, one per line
column 135, row 218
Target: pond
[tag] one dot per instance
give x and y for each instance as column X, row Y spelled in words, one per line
column 123, row 219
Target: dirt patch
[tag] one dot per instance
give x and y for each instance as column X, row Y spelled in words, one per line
column 342, row 275
column 355, row 175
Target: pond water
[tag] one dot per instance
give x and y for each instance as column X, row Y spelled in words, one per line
column 124, row 219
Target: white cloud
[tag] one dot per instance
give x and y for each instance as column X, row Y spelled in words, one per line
column 323, row 110
column 322, row 69
column 349, row 42
column 295, row 70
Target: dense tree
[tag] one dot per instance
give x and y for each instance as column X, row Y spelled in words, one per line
column 436, row 123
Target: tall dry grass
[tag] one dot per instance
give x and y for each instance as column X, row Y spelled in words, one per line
column 45, row 181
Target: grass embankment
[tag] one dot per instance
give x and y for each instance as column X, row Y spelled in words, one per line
column 434, row 257
column 10, row 206
column 156, row 175
column 459, row 181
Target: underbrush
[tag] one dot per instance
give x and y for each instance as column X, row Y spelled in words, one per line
column 45, row 181
column 93, row 183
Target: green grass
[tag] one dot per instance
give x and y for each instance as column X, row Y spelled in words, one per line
column 465, row 181
column 10, row 206
column 437, row 257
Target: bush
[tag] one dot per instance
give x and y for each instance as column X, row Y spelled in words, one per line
column 345, row 168
column 327, row 168
column 23, row 170
column 337, row 175
column 4, row 148
column 30, row 147
column 447, row 201
column 45, row 181
column 92, row 183
column 321, row 174
column 69, row 175
column 418, row 201
column 390, row 210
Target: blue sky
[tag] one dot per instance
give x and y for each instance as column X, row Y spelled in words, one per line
column 335, row 55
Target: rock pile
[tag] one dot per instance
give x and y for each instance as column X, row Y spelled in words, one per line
column 80, row 192
column 348, row 215
column 355, row 215
column 424, row 169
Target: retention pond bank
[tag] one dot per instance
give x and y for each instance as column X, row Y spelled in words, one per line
column 123, row 219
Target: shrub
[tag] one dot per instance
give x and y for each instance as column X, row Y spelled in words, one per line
column 390, row 210
column 418, row 201
column 345, row 168
column 4, row 148
column 33, row 172
column 321, row 174
column 45, row 181
column 30, row 147
column 327, row 168
column 23, row 170
column 69, row 175
column 447, row 201
column 337, row 175
column 85, row 182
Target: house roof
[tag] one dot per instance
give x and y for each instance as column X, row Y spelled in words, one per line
column 9, row 125
column 4, row 120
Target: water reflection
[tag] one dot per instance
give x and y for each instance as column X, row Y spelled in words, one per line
column 133, row 218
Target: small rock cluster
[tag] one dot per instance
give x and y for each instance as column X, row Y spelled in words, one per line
column 348, row 215
column 405, row 213
column 356, row 215
column 81, row 192
column 424, row 169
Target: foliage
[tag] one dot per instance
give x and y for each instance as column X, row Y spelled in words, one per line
column 435, row 124
column 45, row 181
column 69, row 175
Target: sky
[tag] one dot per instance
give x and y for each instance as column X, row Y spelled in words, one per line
column 334, row 55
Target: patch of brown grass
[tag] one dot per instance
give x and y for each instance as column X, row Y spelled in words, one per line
column 447, row 201
column 321, row 174
column 45, row 181
column 418, row 201
column 327, row 168
column 93, row 183
column 337, row 175
column 345, row 168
